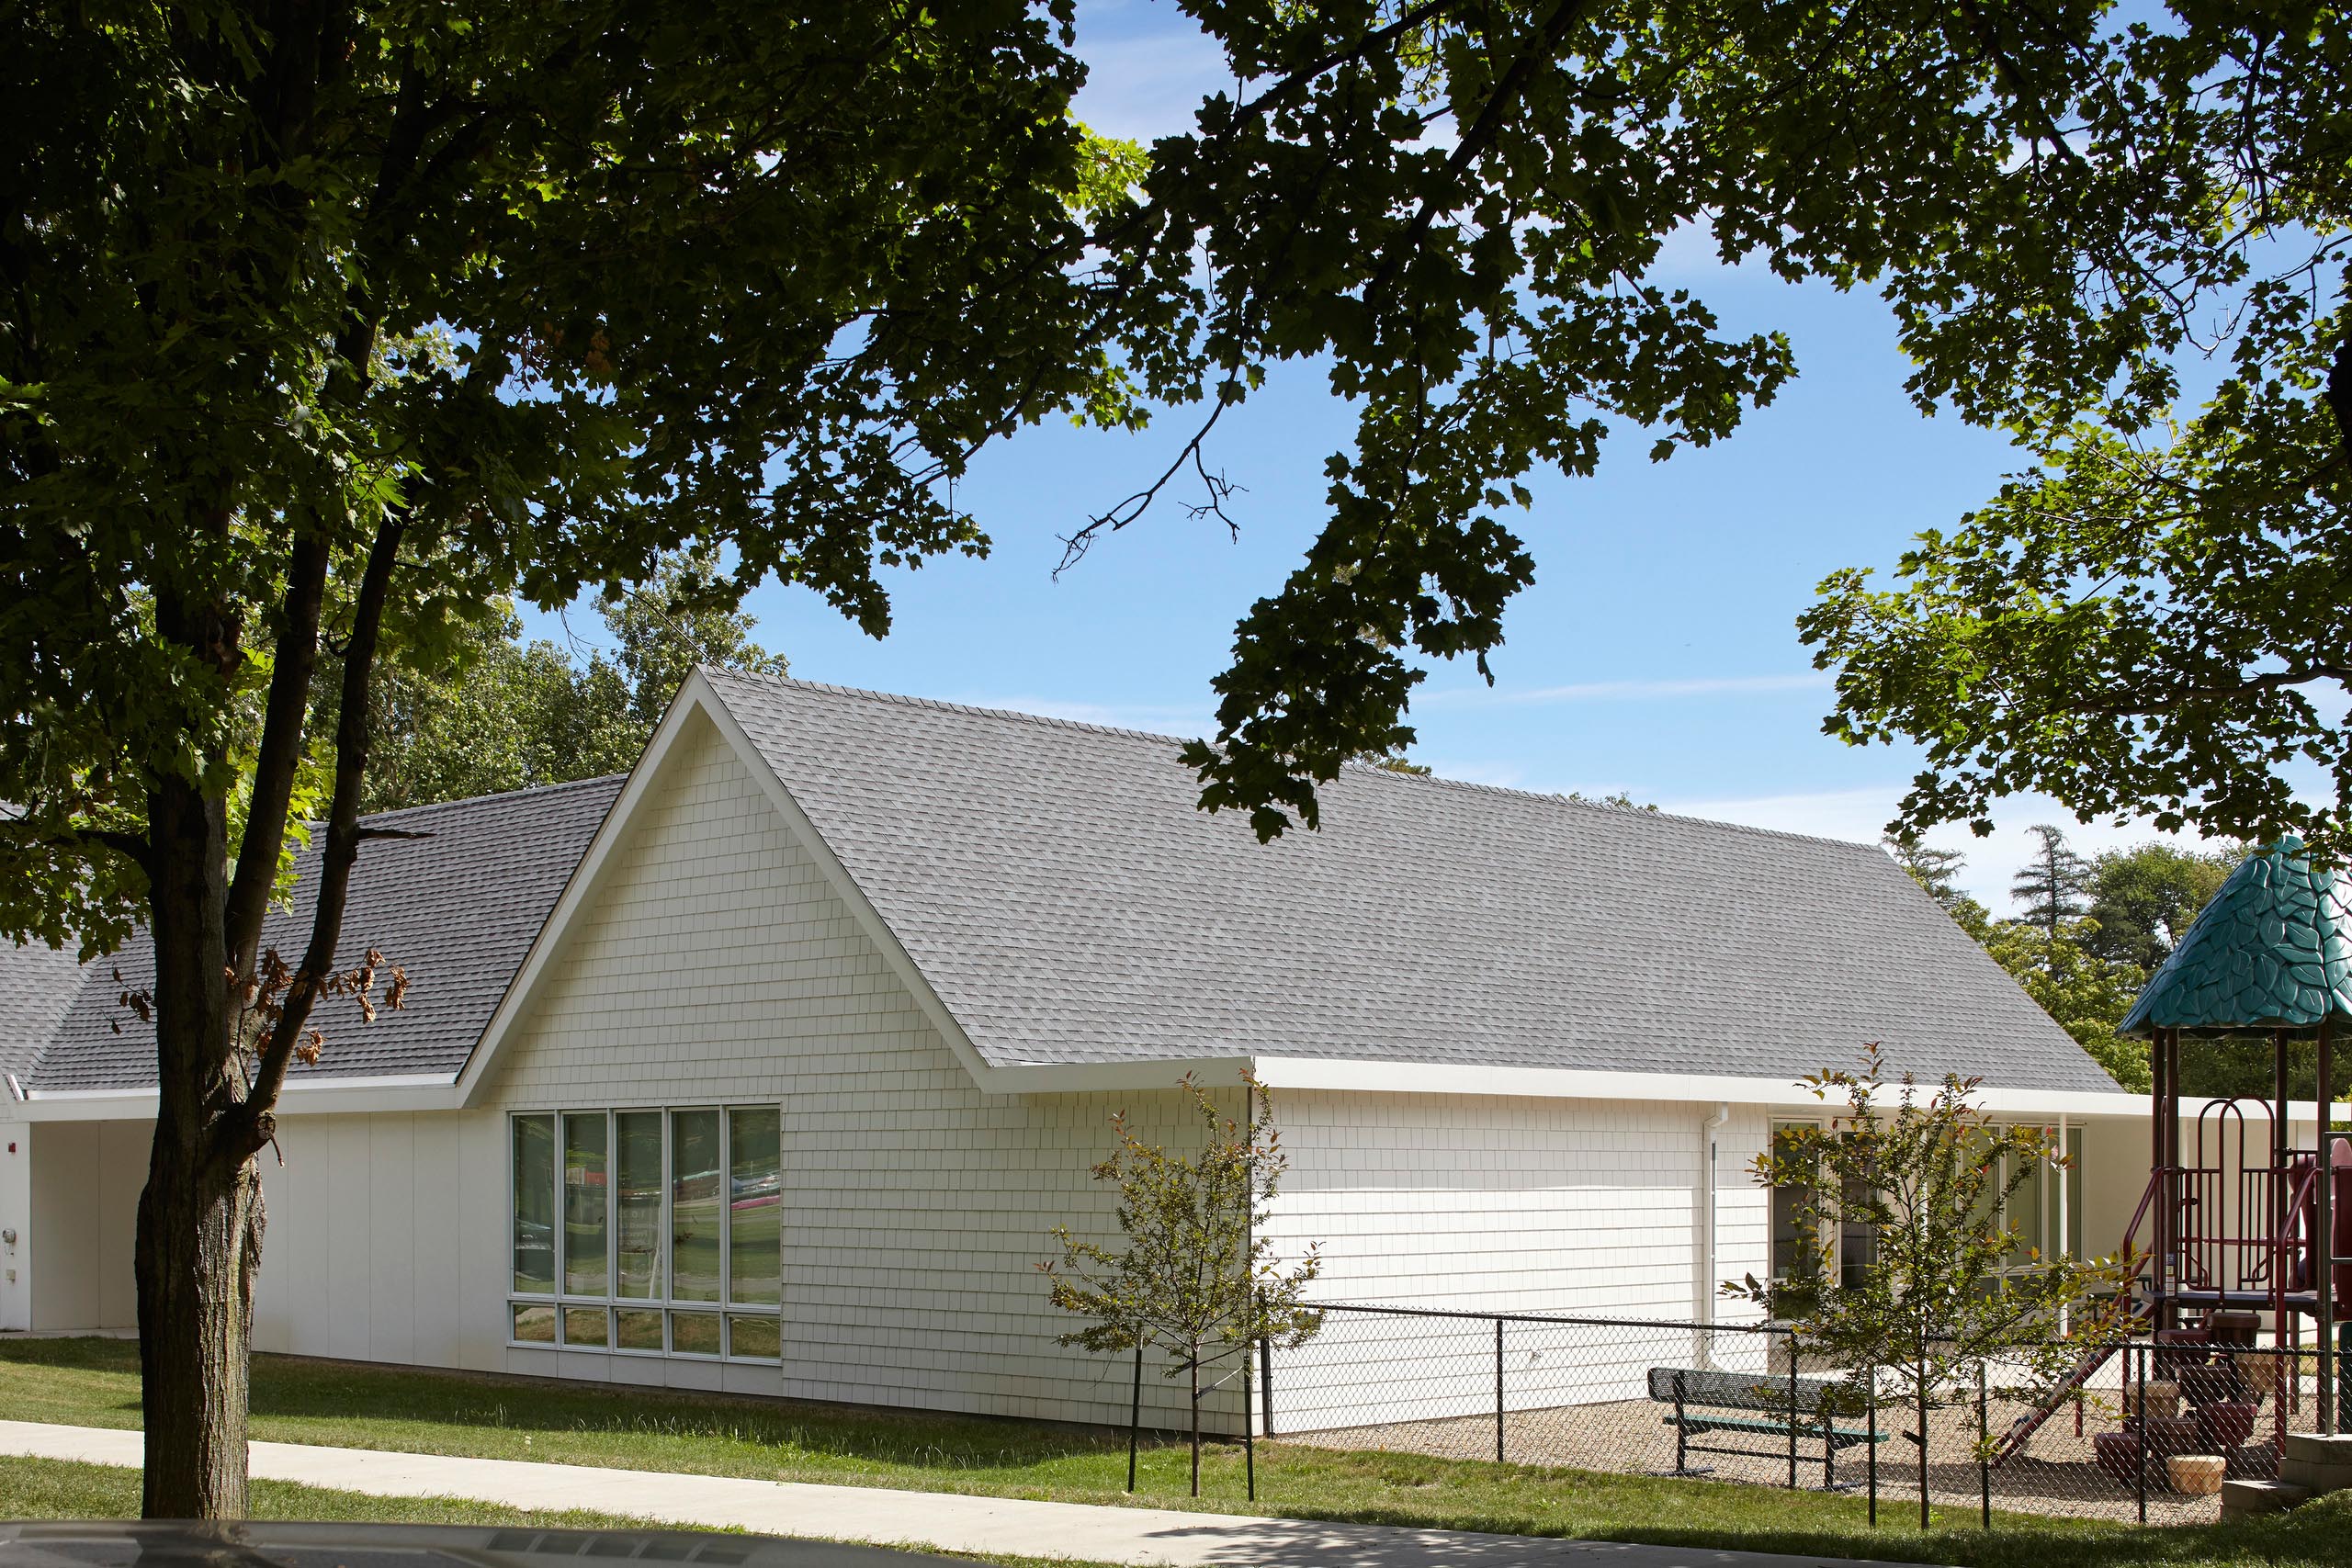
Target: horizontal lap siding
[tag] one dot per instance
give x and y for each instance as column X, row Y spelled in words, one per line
column 1502, row 1204
column 715, row 965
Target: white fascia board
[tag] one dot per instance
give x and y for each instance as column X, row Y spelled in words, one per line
column 1560, row 1083
column 303, row 1097
column 1082, row 1077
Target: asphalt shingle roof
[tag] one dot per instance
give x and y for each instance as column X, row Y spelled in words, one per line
column 458, row 910
column 1061, row 893
column 37, row 984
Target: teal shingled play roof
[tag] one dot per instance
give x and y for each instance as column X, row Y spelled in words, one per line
column 2272, row 951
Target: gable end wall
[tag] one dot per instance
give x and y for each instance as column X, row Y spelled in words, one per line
column 717, row 966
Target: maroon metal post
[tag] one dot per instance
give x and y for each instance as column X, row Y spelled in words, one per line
column 2324, row 1236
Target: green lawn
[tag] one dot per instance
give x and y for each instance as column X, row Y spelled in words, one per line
column 66, row 1489
column 96, row 1382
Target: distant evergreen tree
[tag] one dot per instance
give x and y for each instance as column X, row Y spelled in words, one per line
column 1933, row 870
column 2054, row 887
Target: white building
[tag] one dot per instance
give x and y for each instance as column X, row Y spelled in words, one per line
column 772, row 1066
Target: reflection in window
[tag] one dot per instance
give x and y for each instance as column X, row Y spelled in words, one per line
column 583, row 1204
column 752, row 1339
column 535, row 1206
column 693, row 1333
column 583, row 1327
column 756, row 1207
column 637, row 1207
column 534, row 1325
column 1796, row 1258
column 621, row 1218
column 695, row 1209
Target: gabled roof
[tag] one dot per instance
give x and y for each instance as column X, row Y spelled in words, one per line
column 1059, row 893
column 2273, row 949
column 458, row 908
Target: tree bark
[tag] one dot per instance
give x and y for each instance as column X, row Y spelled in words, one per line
column 1921, row 1390
column 200, row 1216
column 1196, row 1420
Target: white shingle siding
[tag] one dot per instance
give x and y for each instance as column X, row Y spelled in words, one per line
column 1575, row 1208
column 716, row 966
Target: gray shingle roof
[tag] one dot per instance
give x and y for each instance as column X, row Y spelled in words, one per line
column 1056, row 885
column 37, row 984
column 458, row 910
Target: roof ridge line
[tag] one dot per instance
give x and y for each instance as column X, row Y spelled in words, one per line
column 975, row 710
column 493, row 795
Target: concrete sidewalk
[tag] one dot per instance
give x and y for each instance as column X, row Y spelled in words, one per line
column 947, row 1521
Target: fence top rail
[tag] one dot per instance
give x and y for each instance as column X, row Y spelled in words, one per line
column 1467, row 1315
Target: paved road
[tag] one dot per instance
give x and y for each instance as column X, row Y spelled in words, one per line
column 941, row 1521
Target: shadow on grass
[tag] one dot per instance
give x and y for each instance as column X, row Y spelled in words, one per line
column 362, row 1406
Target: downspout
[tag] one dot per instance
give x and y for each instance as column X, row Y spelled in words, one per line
column 1709, row 1154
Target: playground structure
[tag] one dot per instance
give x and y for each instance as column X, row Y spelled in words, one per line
column 2236, row 1232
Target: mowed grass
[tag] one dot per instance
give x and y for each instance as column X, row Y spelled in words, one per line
column 96, row 1382
column 68, row 1489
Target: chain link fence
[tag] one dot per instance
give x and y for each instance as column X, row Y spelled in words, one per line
column 2147, row 1432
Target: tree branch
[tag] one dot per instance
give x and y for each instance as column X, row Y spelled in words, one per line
column 2271, row 681
column 1476, row 139
column 250, row 1126
column 285, row 716
column 1291, row 84
column 1075, row 545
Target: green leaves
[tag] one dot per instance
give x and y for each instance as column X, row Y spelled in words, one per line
column 2139, row 623
column 1915, row 1182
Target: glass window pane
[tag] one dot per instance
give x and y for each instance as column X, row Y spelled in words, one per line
column 583, row 1204
column 695, row 1209
column 637, row 1207
column 754, row 1250
column 638, row 1330
column 534, row 1325
column 752, row 1339
column 1796, row 1258
column 583, row 1328
column 535, row 1203
column 2028, row 1232
column 693, row 1333
column 2075, row 1193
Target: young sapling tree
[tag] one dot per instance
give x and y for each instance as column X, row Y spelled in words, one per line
column 1944, row 1284
column 1197, row 1276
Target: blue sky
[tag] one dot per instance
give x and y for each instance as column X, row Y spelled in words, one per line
column 1657, row 653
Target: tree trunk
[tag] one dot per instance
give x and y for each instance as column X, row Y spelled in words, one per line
column 1196, row 1420
column 199, row 1216
column 1921, row 1392
column 200, row 1243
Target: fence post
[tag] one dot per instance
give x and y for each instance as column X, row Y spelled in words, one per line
column 1266, row 1384
column 1135, row 1417
column 1793, row 1409
column 2140, row 1426
column 1984, row 1454
column 1870, row 1395
column 1499, row 1391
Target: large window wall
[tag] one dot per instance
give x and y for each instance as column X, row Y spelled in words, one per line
column 664, row 1229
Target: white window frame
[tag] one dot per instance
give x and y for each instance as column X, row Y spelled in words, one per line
column 562, row 1300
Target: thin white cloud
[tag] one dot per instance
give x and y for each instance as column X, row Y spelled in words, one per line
column 1150, row 82
column 1628, row 690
